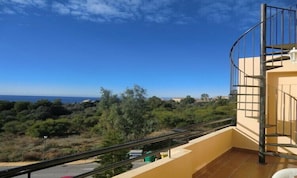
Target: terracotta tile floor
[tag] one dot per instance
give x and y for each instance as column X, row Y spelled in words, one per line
column 238, row 163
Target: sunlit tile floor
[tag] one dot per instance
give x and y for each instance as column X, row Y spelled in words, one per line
column 238, row 163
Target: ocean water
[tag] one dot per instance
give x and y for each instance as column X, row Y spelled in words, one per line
column 64, row 99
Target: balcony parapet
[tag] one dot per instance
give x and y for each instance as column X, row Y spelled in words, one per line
column 189, row 158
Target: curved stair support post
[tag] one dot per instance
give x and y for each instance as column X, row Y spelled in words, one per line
column 262, row 86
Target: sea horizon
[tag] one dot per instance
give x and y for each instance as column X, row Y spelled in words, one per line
column 34, row 98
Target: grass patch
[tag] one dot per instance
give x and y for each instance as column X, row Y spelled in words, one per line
column 24, row 148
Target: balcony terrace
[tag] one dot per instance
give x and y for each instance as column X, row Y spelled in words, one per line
column 225, row 153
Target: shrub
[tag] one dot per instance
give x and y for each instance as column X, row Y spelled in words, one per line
column 6, row 105
column 32, row 156
column 21, row 105
column 4, row 157
column 50, row 127
column 14, row 127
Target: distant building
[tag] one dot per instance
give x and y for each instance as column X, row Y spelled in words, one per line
column 177, row 99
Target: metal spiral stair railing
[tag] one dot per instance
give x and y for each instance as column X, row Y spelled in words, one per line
column 240, row 79
column 282, row 125
column 280, row 35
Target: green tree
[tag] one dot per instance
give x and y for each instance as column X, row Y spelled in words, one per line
column 57, row 108
column 110, row 117
column 170, row 105
column 107, row 99
column 6, row 105
column 166, row 119
column 112, row 138
column 204, row 97
column 24, row 115
column 134, row 120
column 154, row 102
column 43, row 102
column 109, row 111
column 42, row 113
column 187, row 100
column 21, row 105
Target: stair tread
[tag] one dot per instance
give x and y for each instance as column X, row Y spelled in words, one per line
column 256, row 86
column 256, row 102
column 282, row 145
column 277, row 135
column 248, row 94
column 288, row 156
column 254, row 76
column 277, row 59
column 248, row 109
column 270, row 125
column 282, row 46
column 284, row 51
column 253, row 117
column 273, row 67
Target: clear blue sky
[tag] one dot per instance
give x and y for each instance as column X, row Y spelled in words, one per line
column 171, row 48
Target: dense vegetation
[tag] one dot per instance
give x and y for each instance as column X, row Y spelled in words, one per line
column 111, row 120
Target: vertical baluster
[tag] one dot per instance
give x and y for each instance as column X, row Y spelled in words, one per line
column 290, row 118
column 295, row 118
column 253, row 73
column 270, row 27
column 282, row 31
column 276, row 108
column 276, row 27
column 295, row 29
column 284, row 111
column 289, row 26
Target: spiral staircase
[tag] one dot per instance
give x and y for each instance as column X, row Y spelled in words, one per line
column 262, row 50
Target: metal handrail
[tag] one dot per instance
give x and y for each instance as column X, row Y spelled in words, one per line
column 185, row 134
column 234, row 45
column 247, row 32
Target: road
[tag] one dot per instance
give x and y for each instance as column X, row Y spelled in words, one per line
column 66, row 170
column 59, row 171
